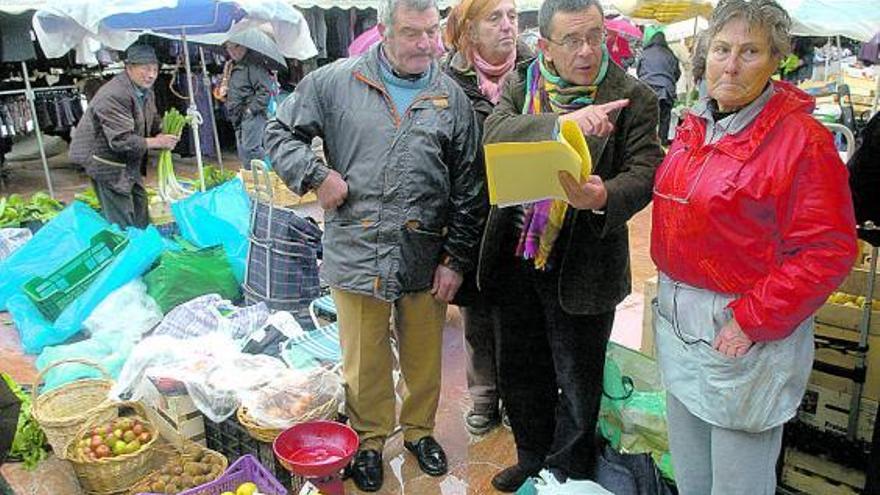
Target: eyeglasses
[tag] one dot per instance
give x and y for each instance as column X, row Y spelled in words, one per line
column 687, row 198
column 574, row 44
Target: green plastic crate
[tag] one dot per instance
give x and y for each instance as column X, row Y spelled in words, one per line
column 54, row 293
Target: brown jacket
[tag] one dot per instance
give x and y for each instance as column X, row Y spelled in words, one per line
column 110, row 140
column 592, row 252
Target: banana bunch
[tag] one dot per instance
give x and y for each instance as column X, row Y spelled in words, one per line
column 852, row 301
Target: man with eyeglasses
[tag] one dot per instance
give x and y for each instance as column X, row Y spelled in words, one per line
column 558, row 287
column 403, row 208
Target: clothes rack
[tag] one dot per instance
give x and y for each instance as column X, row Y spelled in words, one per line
column 29, row 94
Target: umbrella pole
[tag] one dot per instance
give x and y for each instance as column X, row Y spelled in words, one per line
column 194, row 112
column 876, row 96
column 29, row 95
column 213, row 117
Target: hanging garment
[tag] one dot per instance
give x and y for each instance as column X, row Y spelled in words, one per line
column 16, row 44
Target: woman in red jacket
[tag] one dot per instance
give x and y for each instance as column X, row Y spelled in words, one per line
column 753, row 228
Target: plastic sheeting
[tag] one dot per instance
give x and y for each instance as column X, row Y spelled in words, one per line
column 218, row 216
column 70, row 232
column 63, row 25
column 143, row 248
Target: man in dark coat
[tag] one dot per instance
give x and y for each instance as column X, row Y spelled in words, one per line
column 658, row 68
column 556, row 316
column 113, row 138
column 250, row 86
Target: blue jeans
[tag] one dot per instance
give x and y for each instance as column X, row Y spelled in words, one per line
column 551, row 369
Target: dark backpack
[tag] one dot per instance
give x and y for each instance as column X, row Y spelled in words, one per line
column 864, row 180
column 630, row 474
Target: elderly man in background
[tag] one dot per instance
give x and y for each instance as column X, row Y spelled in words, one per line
column 247, row 101
column 113, row 138
column 404, row 209
column 557, row 288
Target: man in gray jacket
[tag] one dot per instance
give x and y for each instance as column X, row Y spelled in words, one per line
column 112, row 139
column 403, row 213
column 250, row 84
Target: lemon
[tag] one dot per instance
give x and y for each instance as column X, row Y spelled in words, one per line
column 227, row 493
column 246, row 489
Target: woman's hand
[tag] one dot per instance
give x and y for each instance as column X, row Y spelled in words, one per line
column 732, row 341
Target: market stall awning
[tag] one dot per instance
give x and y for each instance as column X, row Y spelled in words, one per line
column 521, row 5
column 664, row 11
column 856, row 19
column 20, row 6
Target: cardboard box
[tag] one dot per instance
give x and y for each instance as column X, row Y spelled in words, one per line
column 828, row 410
column 817, row 476
column 174, row 415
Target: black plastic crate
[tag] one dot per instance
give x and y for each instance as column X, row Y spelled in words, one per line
column 232, row 440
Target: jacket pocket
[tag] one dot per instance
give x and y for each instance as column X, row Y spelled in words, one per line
column 419, row 255
column 106, row 161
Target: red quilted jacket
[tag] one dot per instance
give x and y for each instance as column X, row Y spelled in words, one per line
column 770, row 219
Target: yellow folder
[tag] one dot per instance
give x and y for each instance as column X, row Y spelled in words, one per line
column 518, row 173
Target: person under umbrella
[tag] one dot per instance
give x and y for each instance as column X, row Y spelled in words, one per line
column 250, row 88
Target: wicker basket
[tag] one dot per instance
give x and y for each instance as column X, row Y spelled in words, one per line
column 113, row 475
column 62, row 412
column 144, row 485
column 267, row 434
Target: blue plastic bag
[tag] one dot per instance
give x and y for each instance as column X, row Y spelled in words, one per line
column 110, row 355
column 218, row 216
column 70, row 232
column 144, row 246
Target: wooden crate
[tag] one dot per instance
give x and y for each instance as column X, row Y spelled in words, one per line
column 174, row 415
column 828, row 410
column 281, row 195
column 871, row 387
column 817, row 476
column 837, row 315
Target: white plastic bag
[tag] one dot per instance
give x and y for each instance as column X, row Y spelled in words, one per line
column 12, row 239
column 214, row 371
column 128, row 310
column 295, row 397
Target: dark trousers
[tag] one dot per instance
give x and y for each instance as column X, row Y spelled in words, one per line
column 665, row 116
column 249, row 139
column 551, row 367
column 481, row 344
column 125, row 209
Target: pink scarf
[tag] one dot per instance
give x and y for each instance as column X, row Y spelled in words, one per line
column 486, row 72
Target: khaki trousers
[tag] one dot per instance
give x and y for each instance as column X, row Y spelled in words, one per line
column 367, row 363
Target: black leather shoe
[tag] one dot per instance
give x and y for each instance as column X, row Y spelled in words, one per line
column 510, row 479
column 366, row 470
column 432, row 459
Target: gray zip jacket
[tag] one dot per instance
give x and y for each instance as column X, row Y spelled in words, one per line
column 415, row 195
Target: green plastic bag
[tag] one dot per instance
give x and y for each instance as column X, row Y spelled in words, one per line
column 189, row 273
column 632, row 415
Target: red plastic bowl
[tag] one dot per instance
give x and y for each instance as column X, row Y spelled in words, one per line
column 316, row 449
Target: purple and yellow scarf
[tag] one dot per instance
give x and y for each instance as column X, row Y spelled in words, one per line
column 544, row 219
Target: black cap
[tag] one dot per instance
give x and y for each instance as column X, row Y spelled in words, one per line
column 141, row 54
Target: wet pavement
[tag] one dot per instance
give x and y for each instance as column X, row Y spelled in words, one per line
column 472, row 460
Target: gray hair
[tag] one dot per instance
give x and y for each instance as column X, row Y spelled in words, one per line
column 387, row 8
column 698, row 56
column 757, row 13
column 550, row 7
